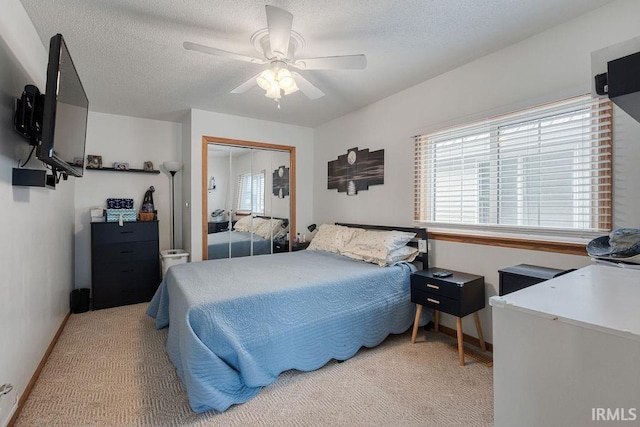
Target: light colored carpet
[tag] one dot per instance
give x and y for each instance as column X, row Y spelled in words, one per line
column 109, row 368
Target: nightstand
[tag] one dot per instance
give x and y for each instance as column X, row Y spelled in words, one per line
column 459, row 295
column 300, row 246
column 280, row 246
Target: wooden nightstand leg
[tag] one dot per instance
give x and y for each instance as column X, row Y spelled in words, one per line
column 415, row 323
column 479, row 329
column 436, row 320
column 460, row 345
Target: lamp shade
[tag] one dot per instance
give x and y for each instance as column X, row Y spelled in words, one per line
column 172, row 166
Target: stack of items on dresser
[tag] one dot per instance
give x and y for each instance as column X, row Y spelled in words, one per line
column 120, row 210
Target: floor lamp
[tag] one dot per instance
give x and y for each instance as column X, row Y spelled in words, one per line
column 172, row 167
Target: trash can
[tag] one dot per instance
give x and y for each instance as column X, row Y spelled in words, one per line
column 80, row 300
column 172, row 257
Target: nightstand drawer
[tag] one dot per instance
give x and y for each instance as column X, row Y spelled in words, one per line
column 436, row 286
column 437, row 302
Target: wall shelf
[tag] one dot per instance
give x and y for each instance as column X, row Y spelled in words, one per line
column 123, row 170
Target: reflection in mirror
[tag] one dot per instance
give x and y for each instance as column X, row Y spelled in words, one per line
column 244, row 217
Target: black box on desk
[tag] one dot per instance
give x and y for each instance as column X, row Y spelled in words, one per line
column 524, row 275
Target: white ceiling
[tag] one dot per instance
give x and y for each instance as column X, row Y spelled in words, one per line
column 130, row 58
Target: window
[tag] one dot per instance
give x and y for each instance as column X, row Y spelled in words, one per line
column 251, row 193
column 543, row 170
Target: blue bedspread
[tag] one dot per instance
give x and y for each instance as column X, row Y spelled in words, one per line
column 242, row 244
column 236, row 324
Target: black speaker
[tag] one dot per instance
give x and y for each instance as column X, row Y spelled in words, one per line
column 80, row 300
column 602, row 86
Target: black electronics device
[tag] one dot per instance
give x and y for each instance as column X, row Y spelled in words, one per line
column 55, row 122
column 441, row 274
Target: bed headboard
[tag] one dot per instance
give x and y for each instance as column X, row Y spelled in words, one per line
column 421, row 234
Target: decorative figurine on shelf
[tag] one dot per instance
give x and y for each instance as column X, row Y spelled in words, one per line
column 148, row 212
column 148, row 166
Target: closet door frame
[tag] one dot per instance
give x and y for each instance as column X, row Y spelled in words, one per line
column 206, row 140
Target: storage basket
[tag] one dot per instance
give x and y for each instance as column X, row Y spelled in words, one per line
column 119, row 203
column 128, row 215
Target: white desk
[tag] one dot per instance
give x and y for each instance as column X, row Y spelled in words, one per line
column 567, row 346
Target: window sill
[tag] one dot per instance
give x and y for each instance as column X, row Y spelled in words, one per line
column 543, row 245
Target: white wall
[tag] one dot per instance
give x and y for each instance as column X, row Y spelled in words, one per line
column 221, row 197
column 549, row 66
column 203, row 123
column 134, row 141
column 36, row 231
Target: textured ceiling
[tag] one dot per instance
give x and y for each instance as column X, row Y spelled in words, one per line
column 131, row 61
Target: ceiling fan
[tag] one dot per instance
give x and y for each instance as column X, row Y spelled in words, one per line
column 280, row 46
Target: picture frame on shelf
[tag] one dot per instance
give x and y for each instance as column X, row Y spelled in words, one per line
column 94, row 162
column 78, row 161
column 148, row 166
column 122, row 166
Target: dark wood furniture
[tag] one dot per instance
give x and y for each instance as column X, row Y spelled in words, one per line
column 218, row 226
column 125, row 263
column 280, row 245
column 283, row 246
column 524, row 275
column 459, row 295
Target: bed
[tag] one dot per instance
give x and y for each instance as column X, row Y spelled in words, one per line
column 240, row 240
column 236, row 324
column 238, row 243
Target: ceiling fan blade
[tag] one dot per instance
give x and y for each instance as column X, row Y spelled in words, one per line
column 279, row 23
column 219, row 52
column 307, row 88
column 246, row 85
column 346, row 62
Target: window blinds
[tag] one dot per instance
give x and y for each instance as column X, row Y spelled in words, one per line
column 251, row 193
column 544, row 168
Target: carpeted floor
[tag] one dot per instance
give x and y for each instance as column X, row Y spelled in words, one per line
column 109, row 368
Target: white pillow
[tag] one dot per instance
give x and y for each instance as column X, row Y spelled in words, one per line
column 376, row 246
column 243, row 224
column 403, row 254
column 325, row 239
column 333, row 238
column 265, row 226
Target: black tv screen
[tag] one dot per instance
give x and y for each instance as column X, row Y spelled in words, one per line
column 65, row 111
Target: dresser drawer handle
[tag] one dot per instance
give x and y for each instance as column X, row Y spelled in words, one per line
column 126, row 252
column 126, row 232
column 433, row 301
column 429, row 285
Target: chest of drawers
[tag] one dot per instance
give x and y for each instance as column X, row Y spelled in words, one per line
column 125, row 267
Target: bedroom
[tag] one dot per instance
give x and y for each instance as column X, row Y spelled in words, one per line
column 46, row 229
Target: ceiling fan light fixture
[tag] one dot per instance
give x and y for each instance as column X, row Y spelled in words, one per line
column 285, row 79
column 273, row 92
column 292, row 89
column 266, row 79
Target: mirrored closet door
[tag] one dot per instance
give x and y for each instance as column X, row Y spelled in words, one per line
column 249, row 198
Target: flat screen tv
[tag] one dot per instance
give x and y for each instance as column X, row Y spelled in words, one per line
column 64, row 115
